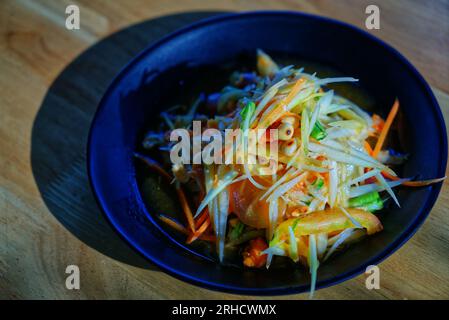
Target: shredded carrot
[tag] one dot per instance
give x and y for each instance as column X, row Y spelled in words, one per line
column 203, row 216
column 199, row 232
column 182, row 198
column 292, row 114
column 186, row 208
column 178, row 227
column 276, row 112
column 386, row 128
column 175, row 225
column 208, row 237
column 368, row 148
column 153, row 165
column 421, row 183
column 378, row 123
column 389, row 176
column 294, row 91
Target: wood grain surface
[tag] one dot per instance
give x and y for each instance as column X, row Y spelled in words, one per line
column 51, row 80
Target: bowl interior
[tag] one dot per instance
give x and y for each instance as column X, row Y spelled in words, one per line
column 198, row 59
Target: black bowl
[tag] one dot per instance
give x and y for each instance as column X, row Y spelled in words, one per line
column 174, row 67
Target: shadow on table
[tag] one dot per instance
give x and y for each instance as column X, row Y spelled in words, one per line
column 60, row 131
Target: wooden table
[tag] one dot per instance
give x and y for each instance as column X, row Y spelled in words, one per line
column 51, row 80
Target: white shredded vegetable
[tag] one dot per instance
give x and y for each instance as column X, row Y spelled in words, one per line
column 293, row 245
column 345, row 234
column 286, row 186
column 223, row 208
column 384, row 183
column 305, row 131
column 291, row 172
column 267, row 98
column 313, row 263
column 367, row 188
column 354, row 221
column 273, row 216
column 321, row 244
column 333, row 183
column 363, row 177
column 224, row 182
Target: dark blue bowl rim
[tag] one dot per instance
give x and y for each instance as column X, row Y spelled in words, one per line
column 404, row 237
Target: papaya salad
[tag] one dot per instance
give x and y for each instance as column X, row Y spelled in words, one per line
column 332, row 168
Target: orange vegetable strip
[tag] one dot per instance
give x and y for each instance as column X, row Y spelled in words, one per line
column 178, row 227
column 199, row 232
column 186, row 208
column 203, row 216
column 182, row 198
column 421, row 183
column 153, row 165
column 294, row 91
column 208, row 237
column 368, row 148
column 386, row 128
column 175, row 225
column 275, row 113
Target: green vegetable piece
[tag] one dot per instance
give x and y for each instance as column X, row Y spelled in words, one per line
column 369, row 202
column 318, row 183
column 295, row 223
column 318, row 131
column 247, row 112
column 374, row 206
column 237, row 231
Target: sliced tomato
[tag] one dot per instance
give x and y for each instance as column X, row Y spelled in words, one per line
column 246, row 204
